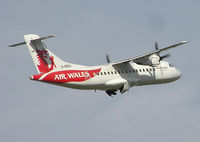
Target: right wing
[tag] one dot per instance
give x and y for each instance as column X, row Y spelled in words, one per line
column 143, row 58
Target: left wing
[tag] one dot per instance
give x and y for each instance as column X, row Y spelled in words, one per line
column 145, row 56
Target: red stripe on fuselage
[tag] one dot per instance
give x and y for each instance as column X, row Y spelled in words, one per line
column 67, row 76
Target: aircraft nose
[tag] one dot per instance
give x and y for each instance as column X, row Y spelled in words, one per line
column 178, row 74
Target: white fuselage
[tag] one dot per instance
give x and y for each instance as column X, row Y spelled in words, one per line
column 112, row 78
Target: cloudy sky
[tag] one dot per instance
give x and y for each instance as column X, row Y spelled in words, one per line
column 86, row 30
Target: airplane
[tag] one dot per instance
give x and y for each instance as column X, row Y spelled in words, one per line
column 146, row 69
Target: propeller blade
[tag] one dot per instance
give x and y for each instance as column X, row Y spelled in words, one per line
column 164, row 56
column 156, row 45
column 107, row 58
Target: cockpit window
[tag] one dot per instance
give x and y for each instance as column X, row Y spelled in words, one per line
column 171, row 65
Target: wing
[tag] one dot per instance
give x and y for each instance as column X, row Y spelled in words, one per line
column 142, row 58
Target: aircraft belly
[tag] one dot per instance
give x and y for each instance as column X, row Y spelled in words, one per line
column 100, row 84
column 83, row 86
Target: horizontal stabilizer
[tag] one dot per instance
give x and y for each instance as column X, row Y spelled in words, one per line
column 37, row 39
column 42, row 38
column 17, row 44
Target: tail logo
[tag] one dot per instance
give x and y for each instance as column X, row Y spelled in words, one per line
column 45, row 61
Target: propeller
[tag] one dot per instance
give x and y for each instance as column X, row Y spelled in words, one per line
column 156, row 45
column 161, row 57
column 164, row 56
column 107, row 58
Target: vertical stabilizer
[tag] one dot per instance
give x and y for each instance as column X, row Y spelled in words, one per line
column 43, row 59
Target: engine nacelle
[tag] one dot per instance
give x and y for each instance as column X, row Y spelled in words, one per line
column 154, row 60
column 125, row 87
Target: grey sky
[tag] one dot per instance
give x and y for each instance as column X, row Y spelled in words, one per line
column 86, row 30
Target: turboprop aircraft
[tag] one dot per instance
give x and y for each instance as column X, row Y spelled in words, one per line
column 146, row 69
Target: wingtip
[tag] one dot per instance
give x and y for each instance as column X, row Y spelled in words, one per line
column 53, row 35
column 10, row 46
column 184, row 41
